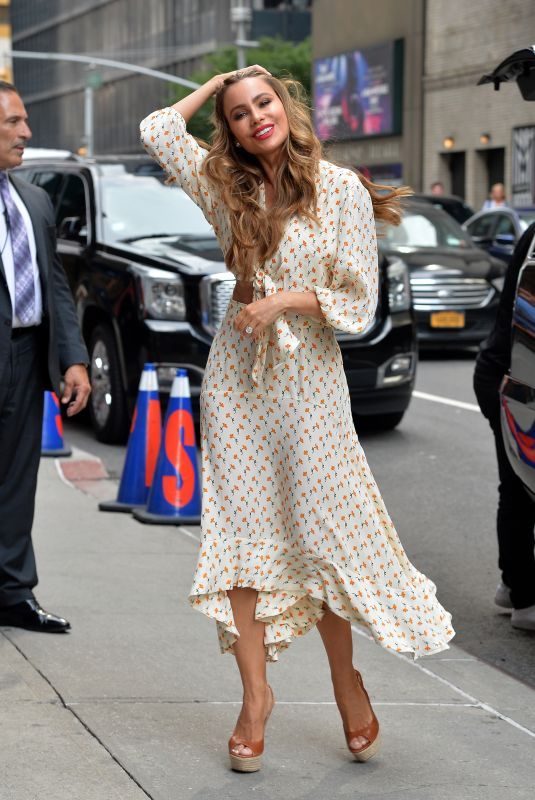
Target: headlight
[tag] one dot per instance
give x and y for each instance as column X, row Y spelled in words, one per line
column 162, row 293
column 399, row 288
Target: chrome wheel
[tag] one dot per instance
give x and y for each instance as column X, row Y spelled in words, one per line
column 101, row 396
column 107, row 407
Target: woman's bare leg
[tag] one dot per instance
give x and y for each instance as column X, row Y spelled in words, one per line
column 250, row 657
column 355, row 711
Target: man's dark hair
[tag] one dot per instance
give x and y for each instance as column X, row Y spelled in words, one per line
column 5, row 86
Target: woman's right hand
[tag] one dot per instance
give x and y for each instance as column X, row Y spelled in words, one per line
column 190, row 104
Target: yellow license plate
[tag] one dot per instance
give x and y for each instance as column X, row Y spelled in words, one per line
column 447, row 319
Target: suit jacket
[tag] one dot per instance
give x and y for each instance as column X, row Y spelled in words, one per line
column 61, row 339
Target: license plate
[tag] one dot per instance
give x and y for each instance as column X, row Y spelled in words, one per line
column 447, row 319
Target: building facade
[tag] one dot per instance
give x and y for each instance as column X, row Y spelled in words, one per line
column 167, row 35
column 378, row 47
column 473, row 135
column 6, row 71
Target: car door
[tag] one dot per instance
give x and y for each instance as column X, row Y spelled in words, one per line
column 73, row 226
column 518, row 388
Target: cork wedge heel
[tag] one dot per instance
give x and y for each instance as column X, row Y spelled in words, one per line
column 370, row 732
column 253, row 762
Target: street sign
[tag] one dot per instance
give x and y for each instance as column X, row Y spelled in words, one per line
column 94, row 79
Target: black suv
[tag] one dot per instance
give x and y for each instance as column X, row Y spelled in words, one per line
column 150, row 284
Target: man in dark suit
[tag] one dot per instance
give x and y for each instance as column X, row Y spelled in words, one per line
column 40, row 341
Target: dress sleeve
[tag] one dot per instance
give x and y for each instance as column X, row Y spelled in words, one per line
column 165, row 138
column 349, row 303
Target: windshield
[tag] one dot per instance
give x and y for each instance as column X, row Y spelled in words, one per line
column 420, row 228
column 137, row 206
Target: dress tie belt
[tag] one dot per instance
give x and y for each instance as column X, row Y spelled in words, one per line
column 285, row 342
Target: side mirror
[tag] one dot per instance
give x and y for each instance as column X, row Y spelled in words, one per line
column 505, row 240
column 71, row 228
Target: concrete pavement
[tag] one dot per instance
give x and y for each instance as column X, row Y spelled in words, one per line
column 136, row 701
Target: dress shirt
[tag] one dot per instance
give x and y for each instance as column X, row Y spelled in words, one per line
column 7, row 259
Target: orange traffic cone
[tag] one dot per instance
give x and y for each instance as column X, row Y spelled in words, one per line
column 143, row 446
column 52, row 442
column 175, row 495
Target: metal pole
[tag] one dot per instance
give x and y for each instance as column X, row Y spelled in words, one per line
column 241, row 17
column 104, row 62
column 89, row 128
column 89, row 95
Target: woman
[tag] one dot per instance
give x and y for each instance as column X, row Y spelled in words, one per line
column 294, row 531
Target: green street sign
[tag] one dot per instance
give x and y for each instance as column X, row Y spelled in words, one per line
column 94, row 79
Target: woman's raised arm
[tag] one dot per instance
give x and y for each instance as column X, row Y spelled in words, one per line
column 189, row 105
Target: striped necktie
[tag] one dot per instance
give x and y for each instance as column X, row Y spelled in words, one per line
column 22, row 260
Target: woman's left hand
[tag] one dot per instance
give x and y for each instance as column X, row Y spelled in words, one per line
column 254, row 318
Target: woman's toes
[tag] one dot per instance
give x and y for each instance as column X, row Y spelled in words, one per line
column 358, row 743
column 242, row 750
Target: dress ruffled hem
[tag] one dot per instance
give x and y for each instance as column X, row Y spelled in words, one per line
column 402, row 615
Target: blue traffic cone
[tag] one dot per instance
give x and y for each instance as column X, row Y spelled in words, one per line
column 52, row 442
column 175, row 495
column 143, row 446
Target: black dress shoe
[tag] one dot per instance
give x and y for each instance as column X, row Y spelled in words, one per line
column 32, row 617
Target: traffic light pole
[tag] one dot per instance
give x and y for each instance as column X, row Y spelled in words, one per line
column 89, row 94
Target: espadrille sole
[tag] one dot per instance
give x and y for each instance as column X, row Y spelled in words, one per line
column 244, row 763
column 370, row 751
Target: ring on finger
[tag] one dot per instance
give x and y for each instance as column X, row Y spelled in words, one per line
column 248, row 330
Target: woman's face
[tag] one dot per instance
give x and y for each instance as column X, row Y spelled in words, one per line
column 256, row 116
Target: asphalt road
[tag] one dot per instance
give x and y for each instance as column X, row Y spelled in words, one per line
column 437, row 474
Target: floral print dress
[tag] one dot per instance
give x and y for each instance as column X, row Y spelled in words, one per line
column 290, row 506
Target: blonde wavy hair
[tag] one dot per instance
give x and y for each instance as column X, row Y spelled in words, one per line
column 257, row 231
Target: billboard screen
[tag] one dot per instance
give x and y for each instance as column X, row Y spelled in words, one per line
column 357, row 94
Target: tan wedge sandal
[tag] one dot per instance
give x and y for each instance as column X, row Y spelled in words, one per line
column 253, row 762
column 369, row 732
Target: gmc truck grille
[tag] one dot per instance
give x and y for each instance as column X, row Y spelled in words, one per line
column 431, row 294
column 216, row 291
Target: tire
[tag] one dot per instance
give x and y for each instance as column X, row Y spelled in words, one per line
column 380, row 422
column 107, row 401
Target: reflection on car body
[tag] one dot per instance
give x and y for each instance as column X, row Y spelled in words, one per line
column 517, row 391
column 518, row 387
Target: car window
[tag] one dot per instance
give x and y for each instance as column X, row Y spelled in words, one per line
column 25, row 173
column 72, row 203
column 140, row 206
column 49, row 181
column 526, row 218
column 483, row 227
column 421, row 229
column 455, row 208
column 505, row 225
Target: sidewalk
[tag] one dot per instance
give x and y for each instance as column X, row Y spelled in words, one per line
column 137, row 703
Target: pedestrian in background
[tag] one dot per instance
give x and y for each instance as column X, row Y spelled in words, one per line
column 497, row 197
column 39, row 341
column 516, row 510
column 437, row 187
column 294, row 530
